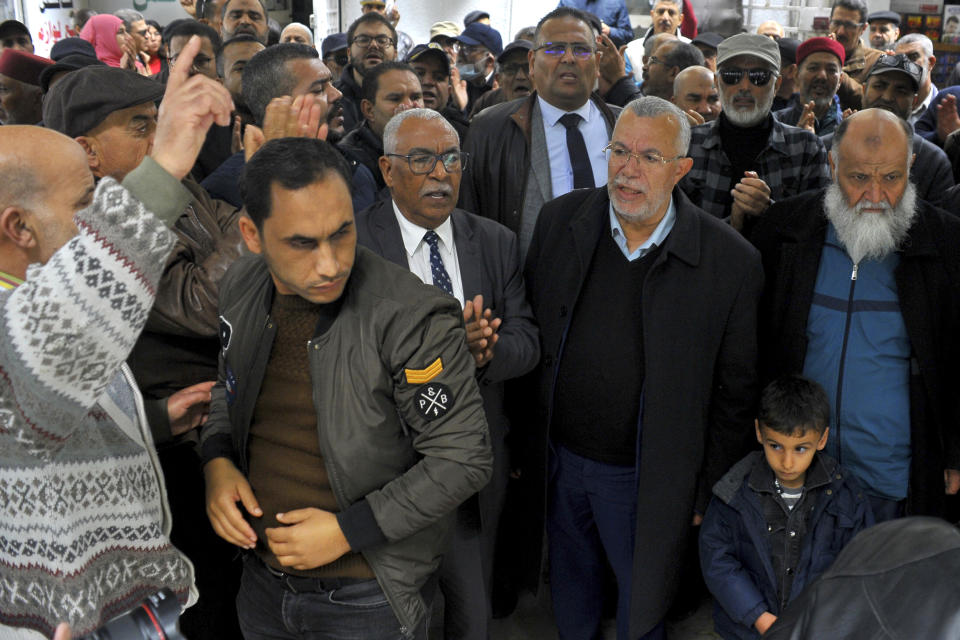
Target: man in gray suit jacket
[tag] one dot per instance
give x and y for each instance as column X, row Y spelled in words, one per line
column 532, row 150
column 476, row 261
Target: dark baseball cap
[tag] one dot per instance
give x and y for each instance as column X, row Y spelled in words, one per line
column 886, row 16
column 71, row 47
column 84, row 98
column 8, row 27
column 481, row 34
column 708, row 39
column 333, row 42
column 899, row 62
column 788, row 50
column 473, row 16
column 516, row 45
column 429, row 50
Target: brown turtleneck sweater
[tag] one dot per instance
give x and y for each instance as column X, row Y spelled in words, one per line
column 286, row 466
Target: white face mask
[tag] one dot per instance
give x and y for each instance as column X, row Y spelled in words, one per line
column 471, row 70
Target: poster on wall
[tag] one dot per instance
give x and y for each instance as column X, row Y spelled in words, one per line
column 48, row 21
column 951, row 24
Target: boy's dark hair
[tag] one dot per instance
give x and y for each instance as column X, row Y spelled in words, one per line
column 373, row 16
column 193, row 28
column 266, row 77
column 371, row 81
column 294, row 163
column 793, row 404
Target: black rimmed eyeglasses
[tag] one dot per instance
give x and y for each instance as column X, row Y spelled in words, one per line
column 423, row 163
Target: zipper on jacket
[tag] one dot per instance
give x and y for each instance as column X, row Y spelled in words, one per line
column 843, row 357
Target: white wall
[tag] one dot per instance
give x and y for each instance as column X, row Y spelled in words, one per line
column 416, row 16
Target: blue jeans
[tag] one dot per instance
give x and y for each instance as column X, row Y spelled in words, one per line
column 269, row 610
column 591, row 518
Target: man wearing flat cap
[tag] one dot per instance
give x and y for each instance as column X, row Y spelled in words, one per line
column 112, row 114
column 746, row 158
column 20, row 95
column 816, row 106
column 884, row 29
column 512, row 75
column 788, row 72
column 15, row 35
column 893, row 85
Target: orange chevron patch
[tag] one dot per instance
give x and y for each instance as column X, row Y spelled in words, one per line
column 423, row 376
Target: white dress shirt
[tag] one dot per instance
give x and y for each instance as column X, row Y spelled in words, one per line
column 592, row 127
column 418, row 252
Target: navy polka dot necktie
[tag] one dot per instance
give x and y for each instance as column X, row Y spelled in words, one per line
column 441, row 278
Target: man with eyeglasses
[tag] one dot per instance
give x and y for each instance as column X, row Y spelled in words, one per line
column 647, row 308
column 371, row 40
column 531, row 150
column 663, row 65
column 746, row 159
column 512, row 75
column 480, row 45
column 137, row 28
column 477, row 262
column 848, row 19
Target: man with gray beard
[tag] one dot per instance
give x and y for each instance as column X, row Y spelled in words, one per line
column 647, row 309
column 861, row 296
column 745, row 159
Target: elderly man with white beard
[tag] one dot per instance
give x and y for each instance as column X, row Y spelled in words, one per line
column 861, row 296
column 745, row 160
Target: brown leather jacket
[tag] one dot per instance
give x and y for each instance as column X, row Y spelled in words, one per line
column 180, row 343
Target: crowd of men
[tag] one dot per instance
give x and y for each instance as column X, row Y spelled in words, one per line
column 324, row 339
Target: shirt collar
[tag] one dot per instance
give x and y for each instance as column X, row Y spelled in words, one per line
column 551, row 114
column 926, row 101
column 413, row 234
column 656, row 238
column 8, row 281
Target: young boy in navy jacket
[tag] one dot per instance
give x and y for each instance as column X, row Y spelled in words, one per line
column 779, row 518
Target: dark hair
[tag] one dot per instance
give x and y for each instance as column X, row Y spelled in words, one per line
column 293, row 163
column 266, row 77
column 568, row 12
column 193, row 28
column 223, row 9
column 155, row 25
column 527, row 33
column 793, row 404
column 371, row 81
column 852, row 5
column 683, row 55
column 373, row 16
column 243, row 37
column 165, row 34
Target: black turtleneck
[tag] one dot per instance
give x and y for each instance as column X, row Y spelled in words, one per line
column 743, row 144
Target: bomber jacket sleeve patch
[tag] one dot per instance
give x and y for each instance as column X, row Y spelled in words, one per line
column 423, row 376
column 433, row 400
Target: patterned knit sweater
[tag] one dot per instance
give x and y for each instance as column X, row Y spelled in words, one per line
column 84, row 522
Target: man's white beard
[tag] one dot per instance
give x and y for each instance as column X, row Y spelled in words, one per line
column 870, row 235
column 753, row 116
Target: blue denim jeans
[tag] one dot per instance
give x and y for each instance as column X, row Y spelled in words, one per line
column 591, row 519
column 269, row 610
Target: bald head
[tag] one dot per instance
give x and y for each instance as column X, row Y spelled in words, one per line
column 771, row 29
column 694, row 90
column 46, row 181
column 298, row 33
column 874, row 130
